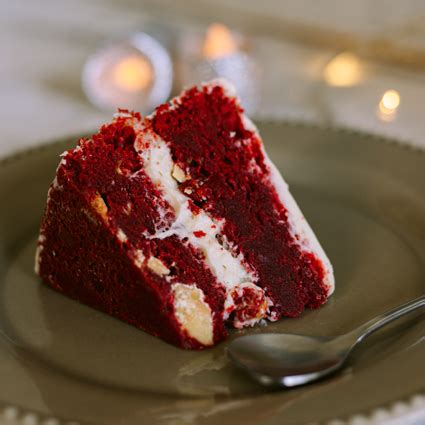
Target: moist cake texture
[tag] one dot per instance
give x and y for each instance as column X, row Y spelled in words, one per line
column 179, row 224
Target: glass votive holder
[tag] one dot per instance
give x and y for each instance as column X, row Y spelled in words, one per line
column 220, row 53
column 135, row 73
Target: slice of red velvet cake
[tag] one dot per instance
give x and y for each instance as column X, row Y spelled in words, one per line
column 178, row 223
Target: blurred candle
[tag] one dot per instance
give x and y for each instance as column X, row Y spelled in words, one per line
column 390, row 101
column 132, row 73
column 219, row 53
column 136, row 73
column 219, row 42
column 388, row 105
column 344, row 70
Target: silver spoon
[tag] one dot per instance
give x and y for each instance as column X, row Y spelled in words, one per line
column 290, row 360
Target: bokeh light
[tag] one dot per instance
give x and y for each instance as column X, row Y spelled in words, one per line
column 132, row 73
column 219, row 42
column 343, row 70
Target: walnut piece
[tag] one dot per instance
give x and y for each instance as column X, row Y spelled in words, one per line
column 193, row 313
column 178, row 174
column 158, row 267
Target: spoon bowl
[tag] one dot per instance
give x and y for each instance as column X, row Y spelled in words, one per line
column 286, row 359
column 290, row 360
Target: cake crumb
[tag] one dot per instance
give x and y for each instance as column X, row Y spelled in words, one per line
column 139, row 258
column 128, row 208
column 121, row 236
column 199, row 233
column 178, row 174
column 100, row 207
column 158, row 267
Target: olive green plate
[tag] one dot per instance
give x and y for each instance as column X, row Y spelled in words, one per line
column 365, row 200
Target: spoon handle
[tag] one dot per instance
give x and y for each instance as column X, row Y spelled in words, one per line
column 363, row 331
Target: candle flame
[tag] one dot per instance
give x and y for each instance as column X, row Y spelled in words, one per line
column 388, row 105
column 344, row 70
column 132, row 73
column 219, row 42
column 390, row 101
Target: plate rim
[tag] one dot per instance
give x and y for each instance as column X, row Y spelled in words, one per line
column 391, row 410
column 404, row 144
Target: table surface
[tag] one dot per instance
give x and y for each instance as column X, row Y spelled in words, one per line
column 44, row 45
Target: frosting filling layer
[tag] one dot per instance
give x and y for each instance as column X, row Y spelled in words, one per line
column 231, row 179
column 197, row 228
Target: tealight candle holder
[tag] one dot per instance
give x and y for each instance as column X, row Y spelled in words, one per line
column 221, row 53
column 136, row 74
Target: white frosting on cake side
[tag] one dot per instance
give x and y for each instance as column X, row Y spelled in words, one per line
column 38, row 251
column 302, row 231
column 299, row 227
column 199, row 230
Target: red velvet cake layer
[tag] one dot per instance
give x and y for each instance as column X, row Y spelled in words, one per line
column 207, row 137
column 100, row 187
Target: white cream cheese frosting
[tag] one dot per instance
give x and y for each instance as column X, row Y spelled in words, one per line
column 299, row 228
column 229, row 270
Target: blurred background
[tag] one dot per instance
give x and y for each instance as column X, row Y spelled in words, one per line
column 66, row 65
